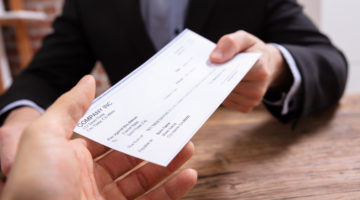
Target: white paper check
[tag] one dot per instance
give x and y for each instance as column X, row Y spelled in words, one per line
column 155, row 110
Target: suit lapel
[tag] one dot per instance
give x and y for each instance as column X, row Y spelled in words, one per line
column 138, row 31
column 198, row 12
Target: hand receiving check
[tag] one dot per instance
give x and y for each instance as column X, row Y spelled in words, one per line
column 49, row 165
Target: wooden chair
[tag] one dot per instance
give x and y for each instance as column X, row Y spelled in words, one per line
column 18, row 18
column 5, row 77
column 2, row 88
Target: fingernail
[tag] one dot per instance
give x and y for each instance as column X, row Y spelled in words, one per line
column 217, row 54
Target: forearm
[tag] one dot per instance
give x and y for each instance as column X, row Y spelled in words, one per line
column 324, row 74
column 322, row 67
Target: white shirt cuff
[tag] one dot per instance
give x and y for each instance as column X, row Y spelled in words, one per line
column 20, row 103
column 286, row 98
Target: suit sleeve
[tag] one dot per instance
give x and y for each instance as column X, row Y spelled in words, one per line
column 322, row 66
column 62, row 60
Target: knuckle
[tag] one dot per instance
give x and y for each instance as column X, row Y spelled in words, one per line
column 4, row 131
column 259, row 96
column 254, row 104
column 226, row 105
column 246, row 110
column 141, row 178
column 248, row 36
column 263, row 72
column 242, row 33
column 5, row 167
column 263, row 92
column 229, row 39
column 257, row 103
column 229, row 104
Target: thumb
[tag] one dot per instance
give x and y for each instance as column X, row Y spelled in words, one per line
column 231, row 44
column 67, row 110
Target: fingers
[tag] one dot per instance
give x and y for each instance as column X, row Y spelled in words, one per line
column 230, row 45
column 117, row 163
column 175, row 188
column 251, row 90
column 69, row 108
column 237, row 106
column 10, row 134
column 245, row 96
column 96, row 149
column 150, row 174
column 241, row 103
column 8, row 143
column 259, row 73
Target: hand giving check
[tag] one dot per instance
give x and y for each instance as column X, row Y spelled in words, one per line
column 155, row 110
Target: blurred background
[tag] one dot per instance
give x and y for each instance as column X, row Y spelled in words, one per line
column 338, row 19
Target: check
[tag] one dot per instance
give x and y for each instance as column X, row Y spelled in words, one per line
column 155, row 110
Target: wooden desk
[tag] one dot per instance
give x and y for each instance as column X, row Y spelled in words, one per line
column 252, row 156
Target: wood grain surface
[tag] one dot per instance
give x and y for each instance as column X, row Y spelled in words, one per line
column 253, row 156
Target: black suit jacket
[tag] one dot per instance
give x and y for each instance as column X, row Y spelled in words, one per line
column 112, row 32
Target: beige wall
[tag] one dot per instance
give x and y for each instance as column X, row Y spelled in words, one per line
column 312, row 8
column 339, row 19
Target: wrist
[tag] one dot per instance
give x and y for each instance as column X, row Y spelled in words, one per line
column 281, row 75
column 22, row 114
column 20, row 118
